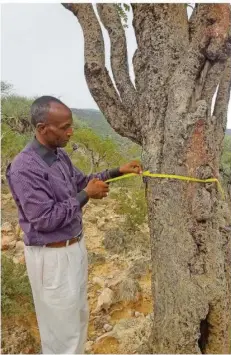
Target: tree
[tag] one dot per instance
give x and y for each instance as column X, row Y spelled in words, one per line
column 97, row 152
column 6, row 88
column 16, row 113
column 178, row 65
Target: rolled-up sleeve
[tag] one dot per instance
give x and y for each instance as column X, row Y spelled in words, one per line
column 38, row 204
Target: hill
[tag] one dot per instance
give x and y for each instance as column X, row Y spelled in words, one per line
column 96, row 120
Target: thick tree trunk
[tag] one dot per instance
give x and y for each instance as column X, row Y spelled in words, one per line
column 178, row 66
column 191, row 265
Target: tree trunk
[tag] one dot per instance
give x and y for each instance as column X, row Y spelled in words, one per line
column 178, row 65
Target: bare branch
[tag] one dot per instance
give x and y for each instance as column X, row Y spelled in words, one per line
column 212, row 80
column 119, row 61
column 98, row 79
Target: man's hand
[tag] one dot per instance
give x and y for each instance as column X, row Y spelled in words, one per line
column 132, row 167
column 97, row 189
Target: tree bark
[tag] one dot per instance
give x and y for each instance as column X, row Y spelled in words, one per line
column 178, row 66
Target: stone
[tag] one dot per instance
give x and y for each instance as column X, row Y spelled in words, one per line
column 18, row 231
column 19, row 248
column 105, row 300
column 7, row 241
column 107, row 327
column 137, row 314
column 88, row 346
column 6, row 196
column 98, row 281
column 101, row 224
column 7, row 227
column 19, row 259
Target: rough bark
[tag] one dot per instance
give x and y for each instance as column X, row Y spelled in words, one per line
column 98, row 79
column 178, row 66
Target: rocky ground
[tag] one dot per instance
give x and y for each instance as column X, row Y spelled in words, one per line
column 119, row 286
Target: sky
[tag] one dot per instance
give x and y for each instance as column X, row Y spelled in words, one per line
column 42, row 53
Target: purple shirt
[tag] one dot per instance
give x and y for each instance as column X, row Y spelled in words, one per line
column 48, row 191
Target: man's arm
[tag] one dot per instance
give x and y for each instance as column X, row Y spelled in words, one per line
column 38, row 204
column 82, row 180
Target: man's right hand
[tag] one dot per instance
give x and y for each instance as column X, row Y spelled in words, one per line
column 97, row 189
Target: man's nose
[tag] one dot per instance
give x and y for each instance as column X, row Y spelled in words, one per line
column 70, row 132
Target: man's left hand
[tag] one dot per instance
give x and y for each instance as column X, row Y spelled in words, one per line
column 132, row 167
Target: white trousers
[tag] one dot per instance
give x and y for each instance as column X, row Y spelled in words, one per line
column 58, row 278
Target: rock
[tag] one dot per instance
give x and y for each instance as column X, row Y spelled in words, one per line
column 19, row 259
column 19, row 249
column 8, row 241
column 7, row 227
column 99, row 321
column 150, row 316
column 138, row 314
column 7, row 196
column 98, row 281
column 132, row 312
column 101, row 224
column 92, row 219
column 88, row 346
column 105, row 300
column 18, row 231
column 133, row 336
column 12, row 244
column 107, row 327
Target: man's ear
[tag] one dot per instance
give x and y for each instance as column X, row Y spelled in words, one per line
column 41, row 128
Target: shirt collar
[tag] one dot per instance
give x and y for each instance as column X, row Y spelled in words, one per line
column 48, row 155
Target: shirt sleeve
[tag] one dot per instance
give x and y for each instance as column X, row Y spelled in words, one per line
column 82, row 179
column 35, row 197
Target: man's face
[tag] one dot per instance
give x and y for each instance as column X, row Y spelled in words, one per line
column 57, row 129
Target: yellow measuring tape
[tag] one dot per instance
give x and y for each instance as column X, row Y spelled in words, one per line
column 168, row 176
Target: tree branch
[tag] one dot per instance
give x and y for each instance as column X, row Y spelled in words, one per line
column 207, row 44
column 98, row 79
column 119, row 61
column 223, row 97
column 212, row 80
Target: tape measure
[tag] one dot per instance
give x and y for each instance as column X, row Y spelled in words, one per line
column 169, row 176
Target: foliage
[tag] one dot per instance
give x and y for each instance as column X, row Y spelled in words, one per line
column 16, row 293
column 133, row 207
column 6, row 88
column 95, row 120
column 12, row 143
column 226, row 160
column 122, row 11
column 226, row 155
column 97, row 153
column 16, row 113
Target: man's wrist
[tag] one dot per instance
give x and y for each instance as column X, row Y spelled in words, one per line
column 115, row 173
column 82, row 198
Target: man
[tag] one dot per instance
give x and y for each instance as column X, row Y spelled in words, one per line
column 50, row 193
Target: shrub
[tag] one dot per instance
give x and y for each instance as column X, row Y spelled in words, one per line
column 15, row 291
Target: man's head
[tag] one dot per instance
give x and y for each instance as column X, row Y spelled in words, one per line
column 52, row 120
